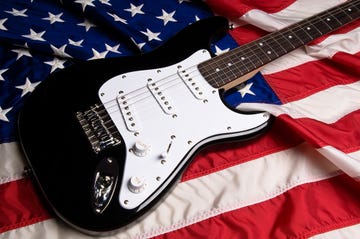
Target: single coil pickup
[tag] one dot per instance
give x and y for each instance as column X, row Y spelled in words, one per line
column 159, row 93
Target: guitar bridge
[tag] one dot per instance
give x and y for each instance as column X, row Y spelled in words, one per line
column 99, row 128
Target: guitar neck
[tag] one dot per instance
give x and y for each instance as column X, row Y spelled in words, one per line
column 240, row 61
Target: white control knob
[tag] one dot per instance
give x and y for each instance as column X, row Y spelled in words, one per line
column 136, row 184
column 140, row 149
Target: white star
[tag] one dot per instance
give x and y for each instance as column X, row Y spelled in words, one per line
column 151, row 35
column 2, row 21
column 36, row 36
column 135, row 9
column 246, row 90
column 1, row 72
column 60, row 51
column 98, row 55
column 76, row 43
column 114, row 49
column 197, row 18
column 21, row 52
column 167, row 17
column 140, row 45
column 105, row 2
column 117, row 18
column 3, row 113
column 18, row 13
column 85, row 3
column 55, row 64
column 54, row 18
column 27, row 87
column 218, row 51
column 181, row 1
column 86, row 24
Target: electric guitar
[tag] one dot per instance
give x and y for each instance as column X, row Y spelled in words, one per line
column 107, row 139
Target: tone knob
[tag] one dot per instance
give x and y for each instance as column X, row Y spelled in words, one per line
column 140, row 149
column 136, row 184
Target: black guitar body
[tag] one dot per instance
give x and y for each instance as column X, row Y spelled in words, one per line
column 58, row 151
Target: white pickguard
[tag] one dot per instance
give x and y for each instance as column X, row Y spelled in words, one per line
column 173, row 111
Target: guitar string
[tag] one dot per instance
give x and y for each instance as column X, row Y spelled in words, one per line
column 256, row 52
column 174, row 76
column 280, row 36
column 168, row 80
column 172, row 81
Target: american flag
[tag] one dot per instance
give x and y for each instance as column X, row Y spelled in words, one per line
column 300, row 180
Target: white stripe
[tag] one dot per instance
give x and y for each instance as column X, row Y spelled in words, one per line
column 350, row 232
column 12, row 162
column 201, row 198
column 347, row 43
column 295, row 12
column 348, row 163
column 327, row 106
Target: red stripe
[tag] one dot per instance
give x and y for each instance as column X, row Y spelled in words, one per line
column 246, row 34
column 19, row 205
column 342, row 134
column 219, row 157
column 283, row 134
column 312, row 77
column 234, row 9
column 320, row 207
column 343, row 30
column 349, row 62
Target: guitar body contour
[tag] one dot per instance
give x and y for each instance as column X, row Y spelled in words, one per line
column 161, row 111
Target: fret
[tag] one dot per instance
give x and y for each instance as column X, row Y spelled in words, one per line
column 263, row 46
column 301, row 33
column 353, row 11
column 287, row 40
column 323, row 25
column 284, row 47
column 293, row 37
column 229, row 66
column 342, row 16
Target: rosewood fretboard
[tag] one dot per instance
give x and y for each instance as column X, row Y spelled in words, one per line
column 229, row 66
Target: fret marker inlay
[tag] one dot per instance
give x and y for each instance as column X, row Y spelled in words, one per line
column 251, row 56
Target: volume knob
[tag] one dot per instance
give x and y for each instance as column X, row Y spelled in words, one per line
column 136, row 184
column 140, row 149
